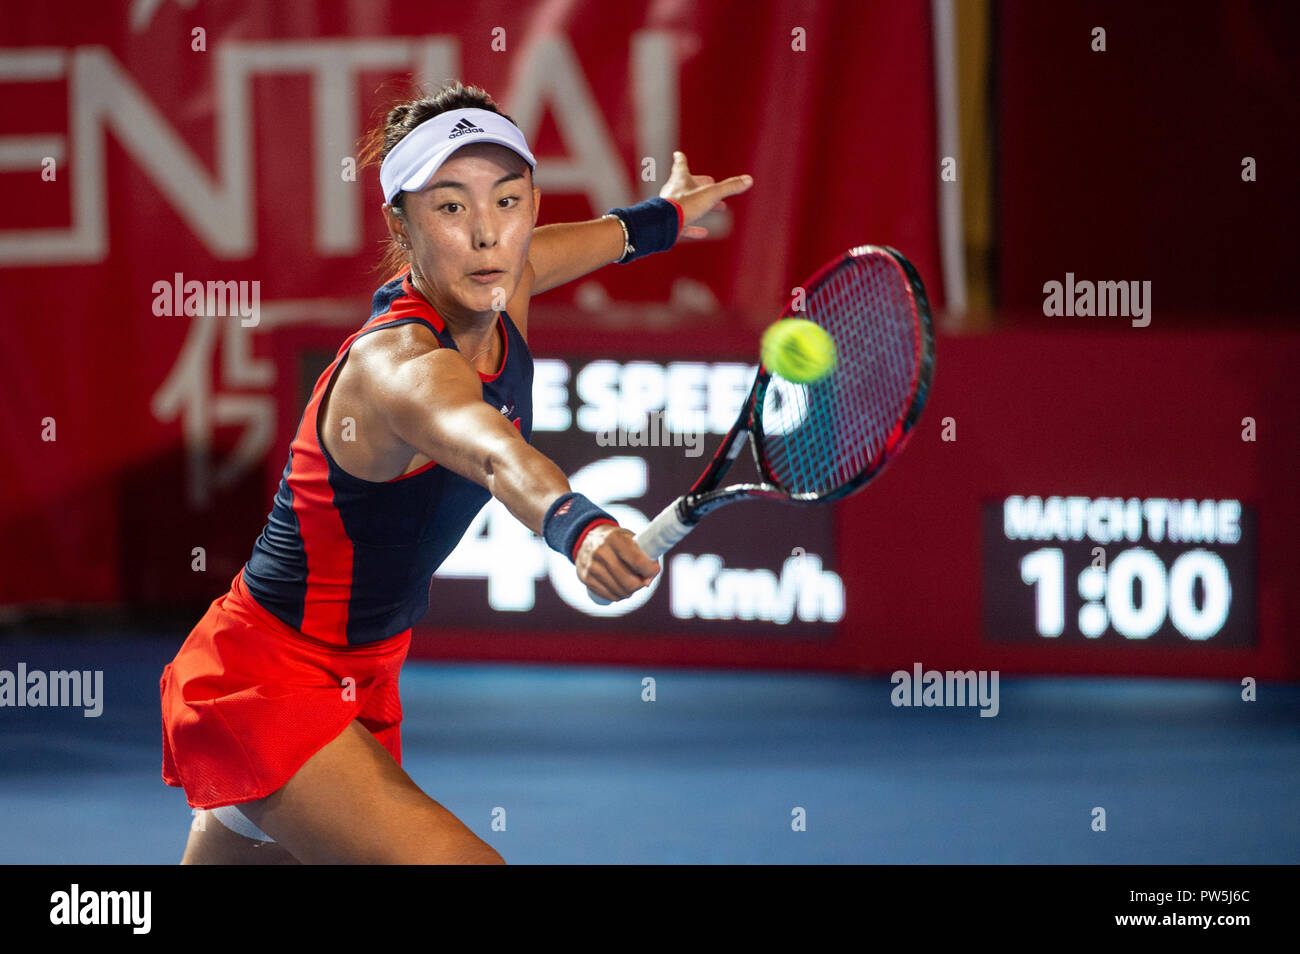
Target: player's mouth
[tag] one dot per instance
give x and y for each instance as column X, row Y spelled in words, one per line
column 486, row 276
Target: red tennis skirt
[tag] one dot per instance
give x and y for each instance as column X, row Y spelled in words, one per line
column 248, row 700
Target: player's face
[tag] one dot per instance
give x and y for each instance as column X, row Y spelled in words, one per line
column 470, row 228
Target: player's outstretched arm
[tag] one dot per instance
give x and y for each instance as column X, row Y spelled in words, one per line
column 568, row 250
column 434, row 403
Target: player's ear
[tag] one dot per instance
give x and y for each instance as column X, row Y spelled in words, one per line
column 396, row 227
column 537, row 203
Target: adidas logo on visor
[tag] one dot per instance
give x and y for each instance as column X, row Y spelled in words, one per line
column 462, row 128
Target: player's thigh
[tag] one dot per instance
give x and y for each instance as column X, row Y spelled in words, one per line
column 351, row 803
column 212, row 843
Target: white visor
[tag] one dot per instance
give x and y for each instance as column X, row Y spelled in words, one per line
column 416, row 157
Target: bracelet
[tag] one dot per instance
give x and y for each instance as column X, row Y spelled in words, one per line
column 650, row 226
column 568, row 519
column 627, row 239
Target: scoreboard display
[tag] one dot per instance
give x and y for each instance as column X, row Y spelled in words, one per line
column 1116, row 570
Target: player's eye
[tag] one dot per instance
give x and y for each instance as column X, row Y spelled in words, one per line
column 447, row 205
column 512, row 199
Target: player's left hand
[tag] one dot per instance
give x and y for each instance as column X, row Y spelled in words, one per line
column 697, row 195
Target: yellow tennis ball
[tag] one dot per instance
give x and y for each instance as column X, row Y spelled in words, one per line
column 798, row 350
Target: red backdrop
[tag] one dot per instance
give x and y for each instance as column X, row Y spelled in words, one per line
column 229, row 163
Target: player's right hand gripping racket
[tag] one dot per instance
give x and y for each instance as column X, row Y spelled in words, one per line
column 814, row 443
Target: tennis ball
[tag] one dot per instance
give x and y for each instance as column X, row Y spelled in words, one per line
column 798, row 350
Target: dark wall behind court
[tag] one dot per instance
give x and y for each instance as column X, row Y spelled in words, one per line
column 1127, row 164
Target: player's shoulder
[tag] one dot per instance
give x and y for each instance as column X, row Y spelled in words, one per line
column 401, row 323
column 389, row 346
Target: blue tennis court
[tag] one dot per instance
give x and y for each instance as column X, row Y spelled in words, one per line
column 712, row 770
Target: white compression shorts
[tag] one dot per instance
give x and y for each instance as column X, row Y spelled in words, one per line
column 238, row 822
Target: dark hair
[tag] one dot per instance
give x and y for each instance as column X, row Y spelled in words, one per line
column 401, row 119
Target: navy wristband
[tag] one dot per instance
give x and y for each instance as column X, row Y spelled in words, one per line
column 567, row 519
column 652, row 226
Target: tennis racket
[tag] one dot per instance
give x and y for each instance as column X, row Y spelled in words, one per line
column 815, row 443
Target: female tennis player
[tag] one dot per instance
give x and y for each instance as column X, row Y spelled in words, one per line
column 281, row 716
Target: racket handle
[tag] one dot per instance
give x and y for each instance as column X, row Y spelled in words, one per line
column 662, row 534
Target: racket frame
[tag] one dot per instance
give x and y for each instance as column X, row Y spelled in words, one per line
column 703, row 498
column 676, row 520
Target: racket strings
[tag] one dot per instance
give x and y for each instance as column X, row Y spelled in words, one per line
column 819, row 437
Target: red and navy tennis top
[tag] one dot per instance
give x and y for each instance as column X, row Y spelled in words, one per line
column 349, row 561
